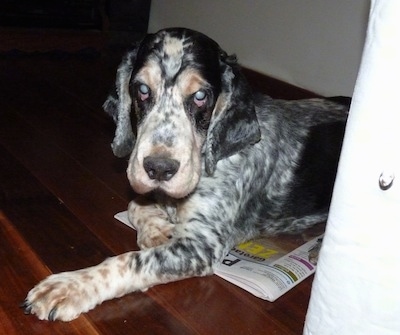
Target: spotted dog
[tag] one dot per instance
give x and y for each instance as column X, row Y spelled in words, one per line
column 213, row 165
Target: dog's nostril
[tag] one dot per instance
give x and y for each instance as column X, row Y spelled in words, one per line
column 160, row 168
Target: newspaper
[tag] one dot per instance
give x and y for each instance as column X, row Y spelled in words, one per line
column 265, row 267
column 267, row 270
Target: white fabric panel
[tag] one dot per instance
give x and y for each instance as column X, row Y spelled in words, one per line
column 356, row 289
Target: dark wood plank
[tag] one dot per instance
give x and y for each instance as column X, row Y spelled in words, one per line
column 41, row 219
column 87, row 197
column 19, row 268
column 69, row 115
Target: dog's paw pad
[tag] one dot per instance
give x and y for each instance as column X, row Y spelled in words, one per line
column 59, row 297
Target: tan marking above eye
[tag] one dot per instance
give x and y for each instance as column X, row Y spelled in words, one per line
column 190, row 81
column 150, row 75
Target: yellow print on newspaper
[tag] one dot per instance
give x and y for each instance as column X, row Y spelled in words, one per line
column 254, row 248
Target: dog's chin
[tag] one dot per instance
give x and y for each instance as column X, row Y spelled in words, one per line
column 162, row 194
column 175, row 194
column 163, row 188
column 180, row 195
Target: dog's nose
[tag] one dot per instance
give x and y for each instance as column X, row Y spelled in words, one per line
column 160, row 168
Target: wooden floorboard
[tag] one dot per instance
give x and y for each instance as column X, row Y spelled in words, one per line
column 19, row 269
column 60, row 186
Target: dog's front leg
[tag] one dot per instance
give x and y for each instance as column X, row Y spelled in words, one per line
column 66, row 295
column 205, row 234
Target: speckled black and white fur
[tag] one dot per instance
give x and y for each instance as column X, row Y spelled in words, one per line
column 213, row 164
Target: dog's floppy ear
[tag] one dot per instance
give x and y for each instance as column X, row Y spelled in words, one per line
column 234, row 123
column 118, row 105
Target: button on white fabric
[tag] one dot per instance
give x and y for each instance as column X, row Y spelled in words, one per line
column 386, row 180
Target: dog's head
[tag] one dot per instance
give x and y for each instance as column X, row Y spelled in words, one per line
column 191, row 105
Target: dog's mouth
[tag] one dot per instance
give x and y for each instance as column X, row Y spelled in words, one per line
column 169, row 188
column 166, row 175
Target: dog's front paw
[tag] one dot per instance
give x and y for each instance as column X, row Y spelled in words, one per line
column 154, row 234
column 62, row 296
column 152, row 223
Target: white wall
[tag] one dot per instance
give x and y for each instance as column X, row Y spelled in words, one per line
column 314, row 44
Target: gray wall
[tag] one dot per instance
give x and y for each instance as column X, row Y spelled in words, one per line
column 314, row 44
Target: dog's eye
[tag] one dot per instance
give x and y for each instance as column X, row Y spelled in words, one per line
column 144, row 92
column 200, row 98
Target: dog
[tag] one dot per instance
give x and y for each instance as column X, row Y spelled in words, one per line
column 213, row 165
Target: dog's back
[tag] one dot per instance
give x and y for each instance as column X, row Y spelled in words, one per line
column 294, row 165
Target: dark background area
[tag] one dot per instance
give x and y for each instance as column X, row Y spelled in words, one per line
column 117, row 15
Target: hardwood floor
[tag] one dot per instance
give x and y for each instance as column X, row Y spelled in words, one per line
column 60, row 186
